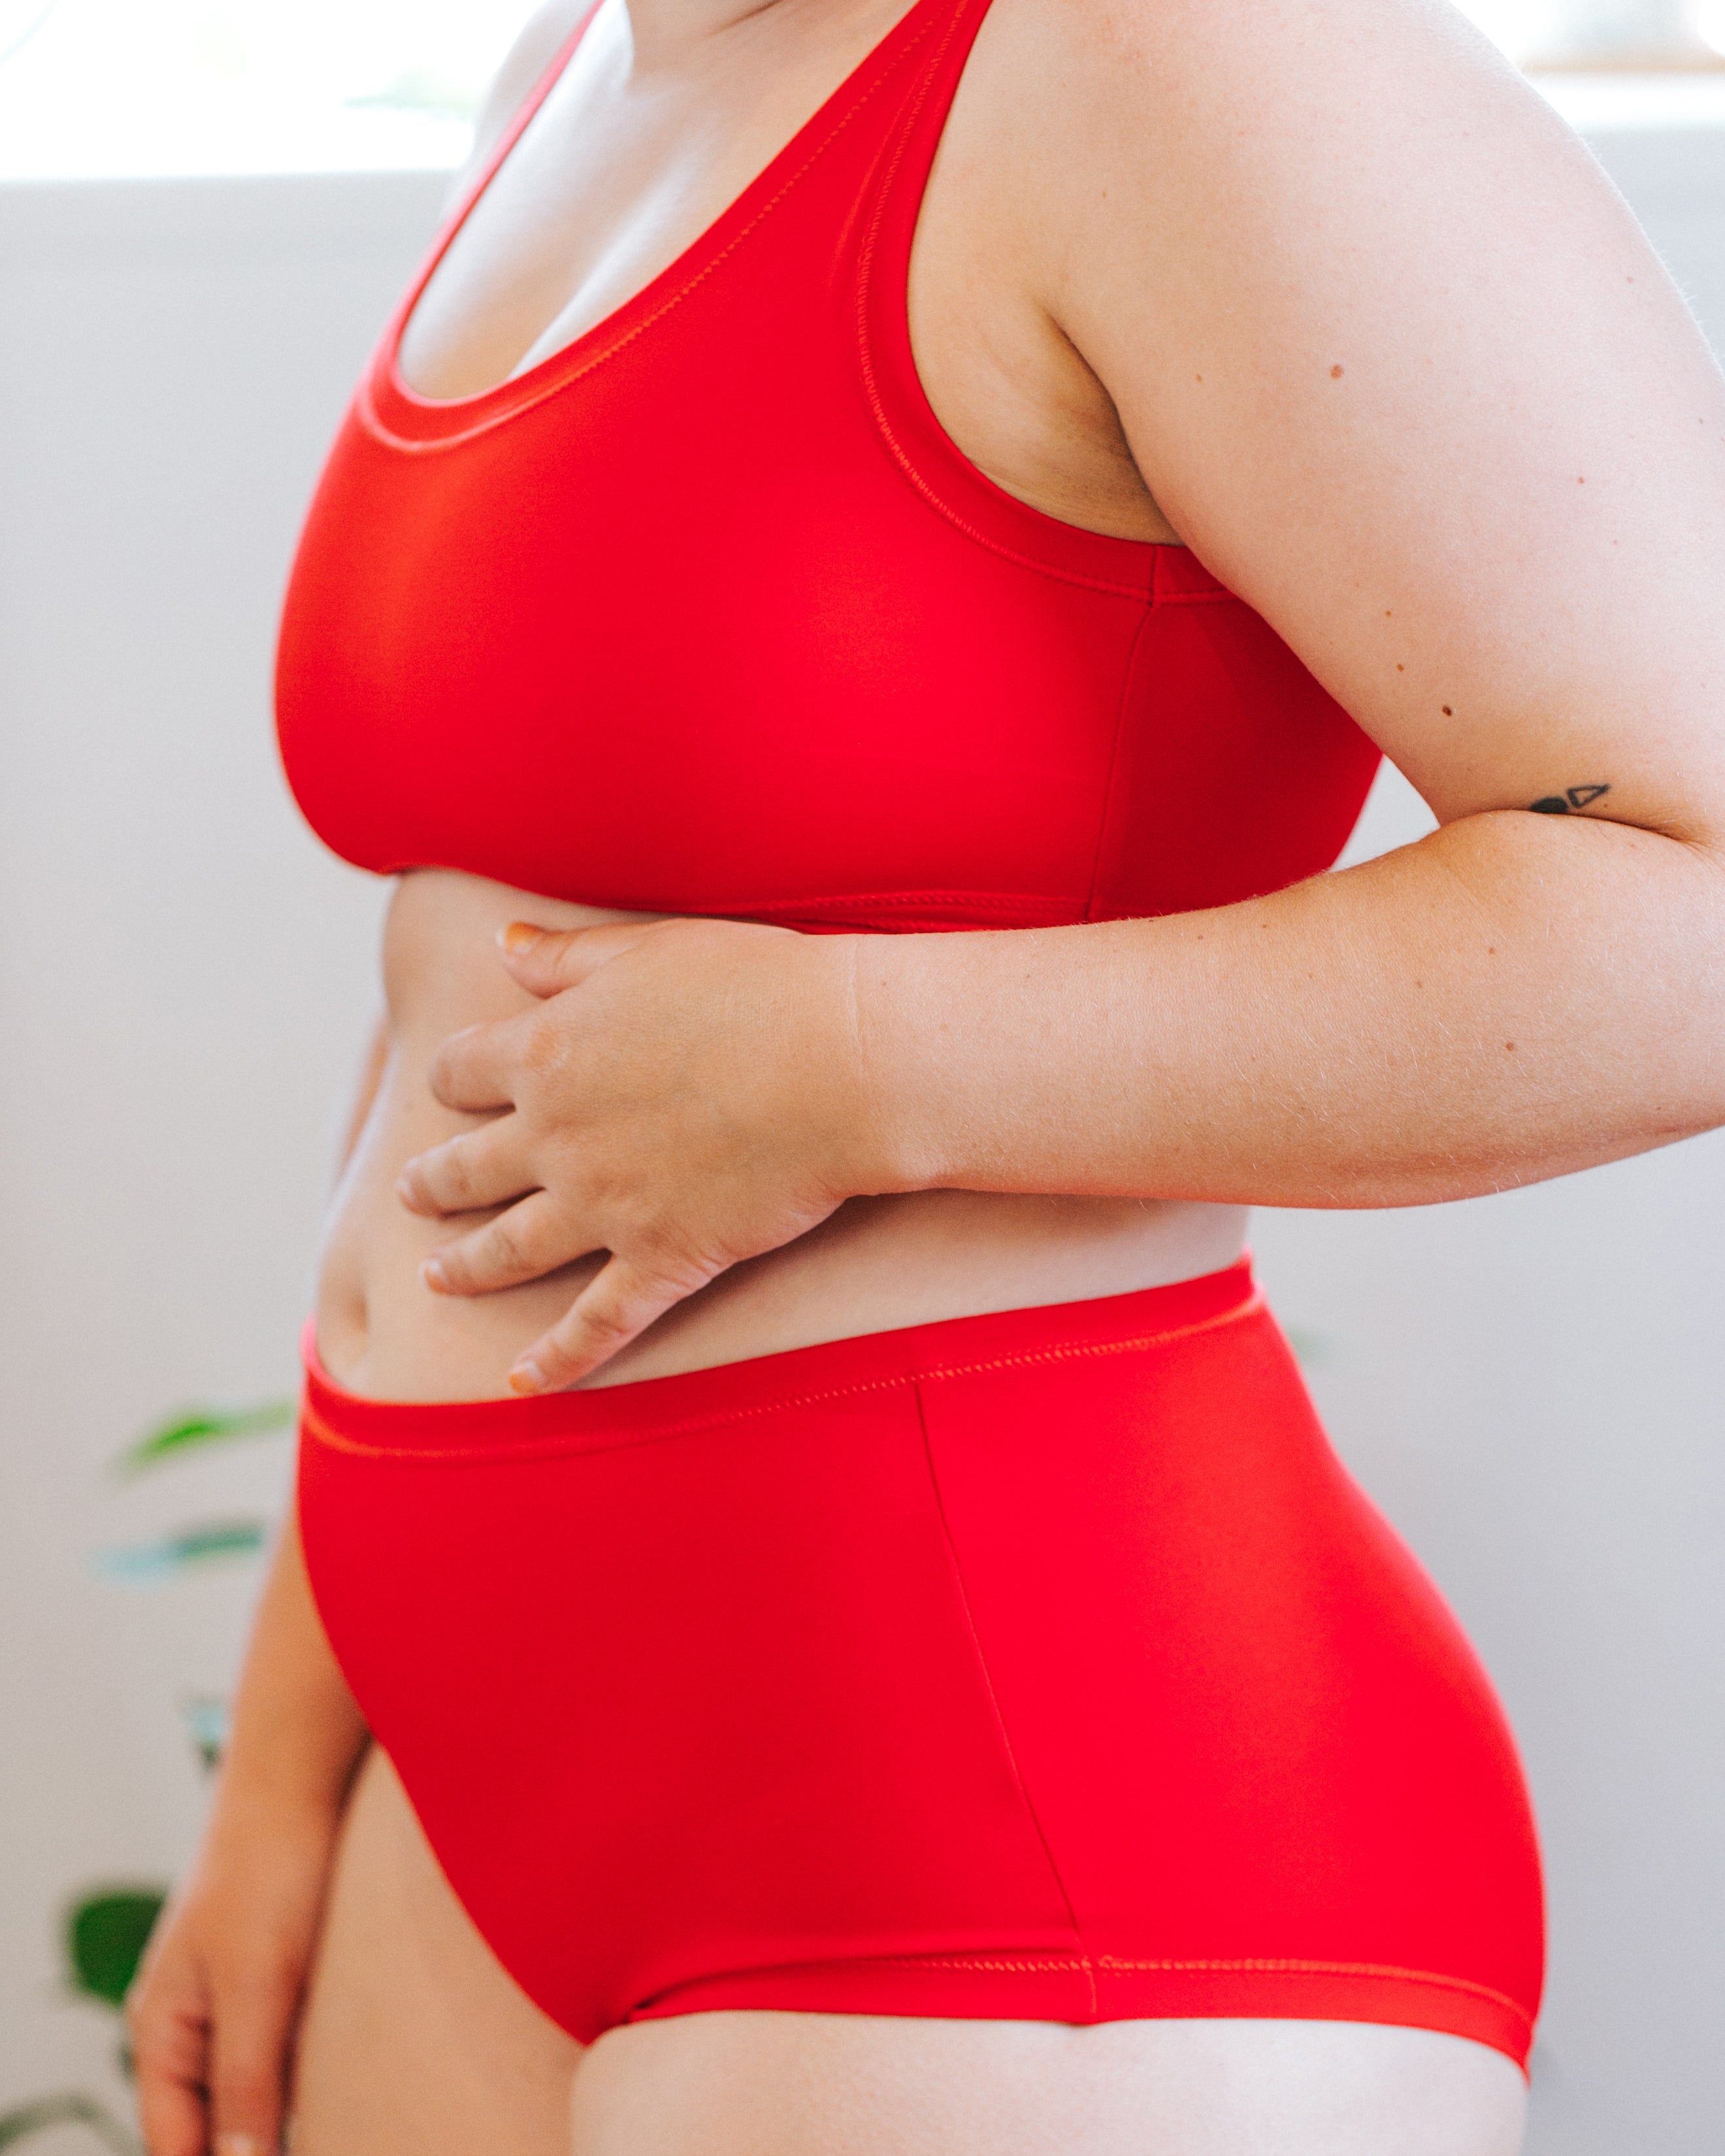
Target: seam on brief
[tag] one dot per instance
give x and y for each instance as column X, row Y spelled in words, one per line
column 1007, row 1964
column 987, row 1676
column 539, row 1448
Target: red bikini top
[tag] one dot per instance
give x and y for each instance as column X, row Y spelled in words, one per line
column 705, row 613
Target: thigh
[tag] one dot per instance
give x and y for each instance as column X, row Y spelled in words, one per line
column 414, row 2042
column 774, row 2084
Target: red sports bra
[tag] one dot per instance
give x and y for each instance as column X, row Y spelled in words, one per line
column 705, row 613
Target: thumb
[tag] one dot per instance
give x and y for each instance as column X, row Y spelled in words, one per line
column 545, row 961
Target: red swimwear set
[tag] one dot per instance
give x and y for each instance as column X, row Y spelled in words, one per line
column 1044, row 1665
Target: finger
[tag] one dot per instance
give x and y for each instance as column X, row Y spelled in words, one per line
column 473, row 1069
column 545, row 961
column 170, row 2049
column 249, row 2068
column 620, row 1302
column 483, row 1167
column 530, row 1240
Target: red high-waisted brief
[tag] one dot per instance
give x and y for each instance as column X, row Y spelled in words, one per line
column 1044, row 1665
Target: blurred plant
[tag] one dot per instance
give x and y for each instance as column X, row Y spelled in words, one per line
column 191, row 1430
column 203, row 1716
column 206, row 1541
column 29, row 2118
column 103, row 1938
column 192, row 1427
column 106, row 1929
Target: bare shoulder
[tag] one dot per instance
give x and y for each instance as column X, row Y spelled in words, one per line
column 1395, row 358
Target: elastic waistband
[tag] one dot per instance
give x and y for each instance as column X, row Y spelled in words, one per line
column 604, row 1416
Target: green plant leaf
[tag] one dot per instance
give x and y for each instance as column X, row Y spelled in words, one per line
column 204, row 1717
column 200, row 1544
column 194, row 1428
column 106, row 1932
column 69, row 2110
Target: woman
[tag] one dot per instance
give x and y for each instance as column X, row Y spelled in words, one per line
column 909, row 1674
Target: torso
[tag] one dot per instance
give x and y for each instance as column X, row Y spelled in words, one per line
column 878, row 1263
column 618, row 172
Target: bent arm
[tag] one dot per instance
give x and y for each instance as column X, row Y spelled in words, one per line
column 297, row 1734
column 1515, row 997
column 214, row 2008
column 1397, row 362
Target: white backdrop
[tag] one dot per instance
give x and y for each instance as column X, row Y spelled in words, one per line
column 1531, row 1386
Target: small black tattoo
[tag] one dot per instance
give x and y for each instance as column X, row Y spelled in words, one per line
column 1560, row 804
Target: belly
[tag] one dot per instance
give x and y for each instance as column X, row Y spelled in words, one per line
column 879, row 1262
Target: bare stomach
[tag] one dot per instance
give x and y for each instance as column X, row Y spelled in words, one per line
column 879, row 1262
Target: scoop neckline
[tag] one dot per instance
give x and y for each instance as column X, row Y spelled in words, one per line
column 440, row 419
column 405, row 421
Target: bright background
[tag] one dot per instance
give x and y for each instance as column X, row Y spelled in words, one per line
column 1533, row 1387
column 135, row 87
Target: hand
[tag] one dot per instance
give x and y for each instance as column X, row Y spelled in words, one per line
column 688, row 1094
column 214, row 2008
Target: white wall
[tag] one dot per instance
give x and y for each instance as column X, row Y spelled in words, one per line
column 1531, row 1385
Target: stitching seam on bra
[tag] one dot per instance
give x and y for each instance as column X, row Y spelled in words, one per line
column 374, row 418
column 998, row 902
column 988, row 1675
column 866, row 283
column 543, row 1448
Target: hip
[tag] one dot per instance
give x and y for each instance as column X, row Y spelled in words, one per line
column 1042, row 1663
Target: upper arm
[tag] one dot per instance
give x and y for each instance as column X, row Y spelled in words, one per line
column 1396, row 360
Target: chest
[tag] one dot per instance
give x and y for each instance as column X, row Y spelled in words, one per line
column 627, row 163
column 706, row 611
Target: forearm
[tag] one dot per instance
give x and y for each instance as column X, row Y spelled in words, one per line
column 1514, row 998
column 297, row 1734
column 213, row 2011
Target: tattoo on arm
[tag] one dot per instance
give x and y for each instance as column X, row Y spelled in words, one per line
column 1560, row 804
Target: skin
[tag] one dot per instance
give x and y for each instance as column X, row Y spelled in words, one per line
column 1316, row 287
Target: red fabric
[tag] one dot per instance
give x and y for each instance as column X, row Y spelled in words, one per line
column 705, row 613
column 1044, row 1665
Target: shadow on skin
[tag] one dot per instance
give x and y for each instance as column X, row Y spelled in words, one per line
column 416, row 2043
column 758, row 2084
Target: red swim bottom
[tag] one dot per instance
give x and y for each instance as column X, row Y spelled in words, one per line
column 1044, row 1666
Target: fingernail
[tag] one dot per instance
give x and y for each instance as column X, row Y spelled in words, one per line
column 518, row 937
column 238, row 2145
column 527, row 1376
column 433, row 1274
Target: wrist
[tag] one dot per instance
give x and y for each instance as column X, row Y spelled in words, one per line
column 899, row 1112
